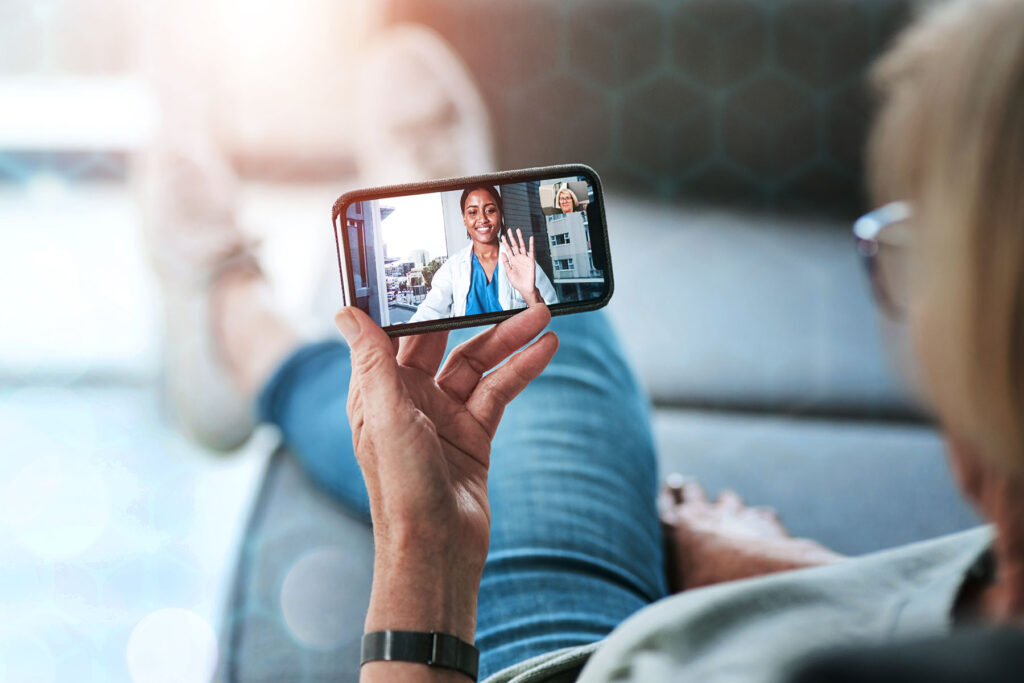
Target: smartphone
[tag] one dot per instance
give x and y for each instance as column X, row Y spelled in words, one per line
column 472, row 251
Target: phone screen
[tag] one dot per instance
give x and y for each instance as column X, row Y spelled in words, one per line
column 476, row 250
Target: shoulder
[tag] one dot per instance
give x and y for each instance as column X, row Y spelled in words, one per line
column 442, row 280
column 774, row 619
column 463, row 255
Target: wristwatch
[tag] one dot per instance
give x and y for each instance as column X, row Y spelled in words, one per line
column 433, row 649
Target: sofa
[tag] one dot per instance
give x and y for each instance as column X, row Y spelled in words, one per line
column 729, row 135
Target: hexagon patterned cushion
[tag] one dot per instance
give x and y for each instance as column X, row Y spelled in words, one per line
column 762, row 102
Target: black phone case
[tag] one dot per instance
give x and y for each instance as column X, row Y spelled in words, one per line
column 446, row 184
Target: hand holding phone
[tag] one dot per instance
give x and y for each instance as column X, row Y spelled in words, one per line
column 423, row 439
column 472, row 251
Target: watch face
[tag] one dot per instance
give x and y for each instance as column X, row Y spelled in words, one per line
column 433, row 649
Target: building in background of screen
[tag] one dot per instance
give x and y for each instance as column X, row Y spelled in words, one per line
column 572, row 260
column 408, row 283
column 521, row 202
column 362, row 224
column 419, row 257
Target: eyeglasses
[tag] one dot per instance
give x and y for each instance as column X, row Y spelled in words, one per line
column 883, row 243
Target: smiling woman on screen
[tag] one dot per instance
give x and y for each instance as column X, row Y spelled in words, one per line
column 492, row 273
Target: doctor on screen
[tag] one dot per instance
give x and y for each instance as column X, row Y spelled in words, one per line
column 490, row 274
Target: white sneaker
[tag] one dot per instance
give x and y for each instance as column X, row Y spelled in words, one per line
column 418, row 113
column 188, row 198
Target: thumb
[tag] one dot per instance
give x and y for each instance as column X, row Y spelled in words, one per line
column 350, row 322
column 374, row 368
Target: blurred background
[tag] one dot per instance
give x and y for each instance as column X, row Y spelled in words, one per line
column 729, row 135
column 117, row 536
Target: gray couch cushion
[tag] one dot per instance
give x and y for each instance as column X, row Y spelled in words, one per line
column 759, row 101
column 753, row 310
column 855, row 486
column 301, row 588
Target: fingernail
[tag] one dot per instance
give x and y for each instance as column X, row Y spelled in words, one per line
column 347, row 324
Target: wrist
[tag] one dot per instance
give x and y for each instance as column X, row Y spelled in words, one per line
column 447, row 656
column 416, row 593
column 533, row 297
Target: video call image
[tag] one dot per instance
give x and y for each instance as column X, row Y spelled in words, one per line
column 482, row 249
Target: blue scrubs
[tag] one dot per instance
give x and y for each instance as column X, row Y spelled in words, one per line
column 483, row 295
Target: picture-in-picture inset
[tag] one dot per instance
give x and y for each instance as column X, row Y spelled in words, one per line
column 565, row 196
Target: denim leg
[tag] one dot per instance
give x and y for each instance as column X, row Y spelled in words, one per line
column 306, row 399
column 575, row 541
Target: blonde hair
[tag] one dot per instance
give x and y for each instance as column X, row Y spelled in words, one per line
column 950, row 138
column 575, row 201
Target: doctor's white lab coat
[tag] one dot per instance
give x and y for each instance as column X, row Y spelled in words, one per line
column 450, row 287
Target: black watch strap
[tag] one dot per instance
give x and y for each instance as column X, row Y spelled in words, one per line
column 432, row 649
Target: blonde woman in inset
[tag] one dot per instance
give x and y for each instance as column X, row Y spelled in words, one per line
column 566, row 201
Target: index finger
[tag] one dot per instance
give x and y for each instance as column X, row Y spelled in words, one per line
column 470, row 360
column 494, row 392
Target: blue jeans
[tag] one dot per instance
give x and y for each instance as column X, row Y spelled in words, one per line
column 575, row 541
